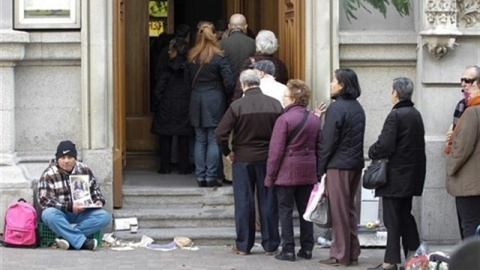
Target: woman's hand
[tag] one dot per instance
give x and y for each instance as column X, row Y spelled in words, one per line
column 320, row 108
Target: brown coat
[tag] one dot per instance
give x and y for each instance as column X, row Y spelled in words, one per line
column 463, row 162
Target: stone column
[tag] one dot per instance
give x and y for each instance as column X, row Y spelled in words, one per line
column 97, row 92
column 13, row 184
column 321, row 39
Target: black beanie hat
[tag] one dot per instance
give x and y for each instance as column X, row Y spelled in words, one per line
column 66, row 148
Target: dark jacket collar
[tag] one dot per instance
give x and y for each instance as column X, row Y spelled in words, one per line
column 404, row 103
column 253, row 90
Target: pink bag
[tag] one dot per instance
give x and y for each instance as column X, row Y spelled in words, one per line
column 317, row 193
column 20, row 225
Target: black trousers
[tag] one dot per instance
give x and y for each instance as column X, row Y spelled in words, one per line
column 468, row 209
column 247, row 176
column 400, row 225
column 288, row 196
column 183, row 153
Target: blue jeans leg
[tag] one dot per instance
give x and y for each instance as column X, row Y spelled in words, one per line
column 200, row 150
column 60, row 223
column 213, row 156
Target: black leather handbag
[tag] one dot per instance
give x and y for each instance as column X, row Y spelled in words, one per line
column 375, row 175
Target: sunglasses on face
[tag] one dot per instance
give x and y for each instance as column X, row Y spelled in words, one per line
column 467, row 80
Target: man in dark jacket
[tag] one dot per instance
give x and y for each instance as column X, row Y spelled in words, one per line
column 251, row 119
column 402, row 142
column 238, row 47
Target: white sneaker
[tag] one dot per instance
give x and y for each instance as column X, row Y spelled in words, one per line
column 62, row 243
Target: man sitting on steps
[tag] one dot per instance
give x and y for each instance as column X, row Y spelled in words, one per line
column 58, row 209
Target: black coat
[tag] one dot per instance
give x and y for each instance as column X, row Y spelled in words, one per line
column 210, row 89
column 341, row 139
column 402, row 140
column 172, row 94
column 237, row 47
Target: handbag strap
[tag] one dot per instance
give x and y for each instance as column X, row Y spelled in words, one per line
column 196, row 75
column 297, row 129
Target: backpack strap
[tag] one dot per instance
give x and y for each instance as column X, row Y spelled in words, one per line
column 297, row 129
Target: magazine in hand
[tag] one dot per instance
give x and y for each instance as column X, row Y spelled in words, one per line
column 80, row 187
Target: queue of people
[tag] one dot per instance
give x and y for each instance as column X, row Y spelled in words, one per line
column 278, row 150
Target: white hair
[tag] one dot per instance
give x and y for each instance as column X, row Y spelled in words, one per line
column 266, row 42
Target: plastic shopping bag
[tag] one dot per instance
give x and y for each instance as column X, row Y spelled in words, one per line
column 317, row 193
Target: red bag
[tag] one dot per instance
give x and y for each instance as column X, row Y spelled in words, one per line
column 20, row 225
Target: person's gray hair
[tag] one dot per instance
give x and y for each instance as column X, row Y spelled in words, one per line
column 476, row 69
column 404, row 88
column 266, row 42
column 249, row 78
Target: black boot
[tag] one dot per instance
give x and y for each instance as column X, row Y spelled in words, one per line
column 285, row 256
column 202, row 183
column 306, row 254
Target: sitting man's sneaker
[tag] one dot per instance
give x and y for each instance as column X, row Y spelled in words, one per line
column 90, row 244
column 62, row 243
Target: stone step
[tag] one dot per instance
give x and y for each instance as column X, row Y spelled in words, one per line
column 210, row 236
column 183, row 217
column 180, row 217
column 181, row 197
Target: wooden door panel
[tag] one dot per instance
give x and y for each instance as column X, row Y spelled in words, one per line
column 292, row 36
column 137, row 60
column 119, row 149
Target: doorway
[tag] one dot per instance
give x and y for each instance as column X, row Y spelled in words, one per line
column 135, row 147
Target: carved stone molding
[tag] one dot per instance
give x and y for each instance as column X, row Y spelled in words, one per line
column 468, row 13
column 441, row 13
column 440, row 30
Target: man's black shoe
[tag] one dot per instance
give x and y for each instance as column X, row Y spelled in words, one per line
column 304, row 254
column 285, row 256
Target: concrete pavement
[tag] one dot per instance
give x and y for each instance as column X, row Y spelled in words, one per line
column 207, row 257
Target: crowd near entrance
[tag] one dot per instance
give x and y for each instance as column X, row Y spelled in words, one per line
column 139, row 27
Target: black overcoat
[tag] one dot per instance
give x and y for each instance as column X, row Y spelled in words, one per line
column 402, row 141
column 210, row 88
column 172, row 94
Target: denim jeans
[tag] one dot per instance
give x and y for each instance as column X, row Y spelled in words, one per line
column 207, row 156
column 88, row 222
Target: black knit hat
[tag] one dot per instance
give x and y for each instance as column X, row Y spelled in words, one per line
column 66, row 148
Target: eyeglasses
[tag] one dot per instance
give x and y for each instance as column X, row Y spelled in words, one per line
column 467, row 80
column 288, row 96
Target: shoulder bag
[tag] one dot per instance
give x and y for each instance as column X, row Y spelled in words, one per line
column 375, row 175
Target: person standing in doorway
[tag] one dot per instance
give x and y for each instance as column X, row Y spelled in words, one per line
column 211, row 79
column 172, row 94
column 238, row 47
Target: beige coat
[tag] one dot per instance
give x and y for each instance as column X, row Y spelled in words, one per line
column 463, row 162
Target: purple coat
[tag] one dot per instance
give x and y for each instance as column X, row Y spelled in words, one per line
column 294, row 164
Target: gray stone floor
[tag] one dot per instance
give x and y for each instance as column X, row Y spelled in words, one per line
column 207, row 257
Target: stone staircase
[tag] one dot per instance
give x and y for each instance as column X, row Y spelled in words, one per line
column 206, row 215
